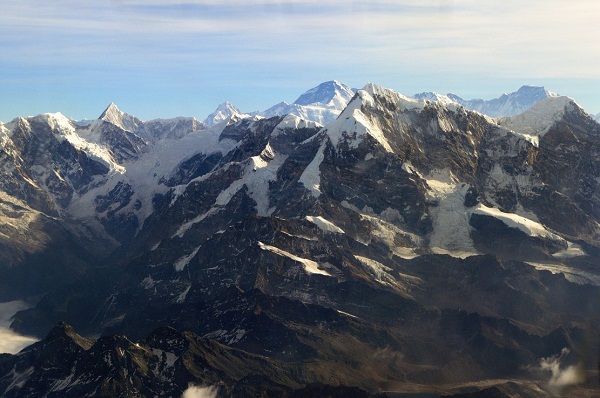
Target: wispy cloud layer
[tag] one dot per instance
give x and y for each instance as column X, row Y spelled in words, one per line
column 11, row 342
column 391, row 42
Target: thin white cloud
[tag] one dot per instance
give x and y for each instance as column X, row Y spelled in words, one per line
column 11, row 342
column 509, row 36
column 384, row 41
column 559, row 376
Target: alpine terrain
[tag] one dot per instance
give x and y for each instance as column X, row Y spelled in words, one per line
column 353, row 243
column 510, row 104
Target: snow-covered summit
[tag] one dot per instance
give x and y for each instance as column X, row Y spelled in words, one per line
column 331, row 94
column 57, row 121
column 112, row 114
column 432, row 96
column 277, row 109
column 223, row 111
column 515, row 103
column 321, row 104
column 356, row 121
column 401, row 100
column 537, row 120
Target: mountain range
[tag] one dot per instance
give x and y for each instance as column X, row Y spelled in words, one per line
column 352, row 243
column 321, row 104
column 510, row 104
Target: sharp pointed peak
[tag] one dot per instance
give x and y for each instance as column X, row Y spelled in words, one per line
column 332, row 83
column 65, row 331
column 223, row 112
column 375, row 89
column 113, row 115
column 111, row 110
column 227, row 105
column 62, row 328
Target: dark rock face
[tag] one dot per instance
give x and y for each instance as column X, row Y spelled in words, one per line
column 123, row 144
column 43, row 167
column 164, row 364
column 46, row 256
column 493, row 236
column 196, row 166
column 573, row 142
column 40, row 248
column 404, row 247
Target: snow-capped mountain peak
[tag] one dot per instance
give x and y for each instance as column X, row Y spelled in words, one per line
column 321, row 104
column 432, row 96
column 536, row 121
column 57, row 121
column 393, row 96
column 112, row 114
column 524, row 98
column 111, row 110
column 534, row 92
column 227, row 106
column 330, row 94
column 356, row 122
column 223, row 111
column 277, row 109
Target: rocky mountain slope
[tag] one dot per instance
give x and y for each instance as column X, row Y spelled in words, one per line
column 406, row 247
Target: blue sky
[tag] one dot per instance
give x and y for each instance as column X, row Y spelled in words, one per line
column 158, row 58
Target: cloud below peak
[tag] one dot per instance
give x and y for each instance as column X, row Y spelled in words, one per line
column 11, row 342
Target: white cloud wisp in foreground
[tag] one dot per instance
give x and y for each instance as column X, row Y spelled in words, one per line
column 11, row 342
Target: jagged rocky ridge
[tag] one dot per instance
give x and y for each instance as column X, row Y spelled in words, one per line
column 402, row 247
